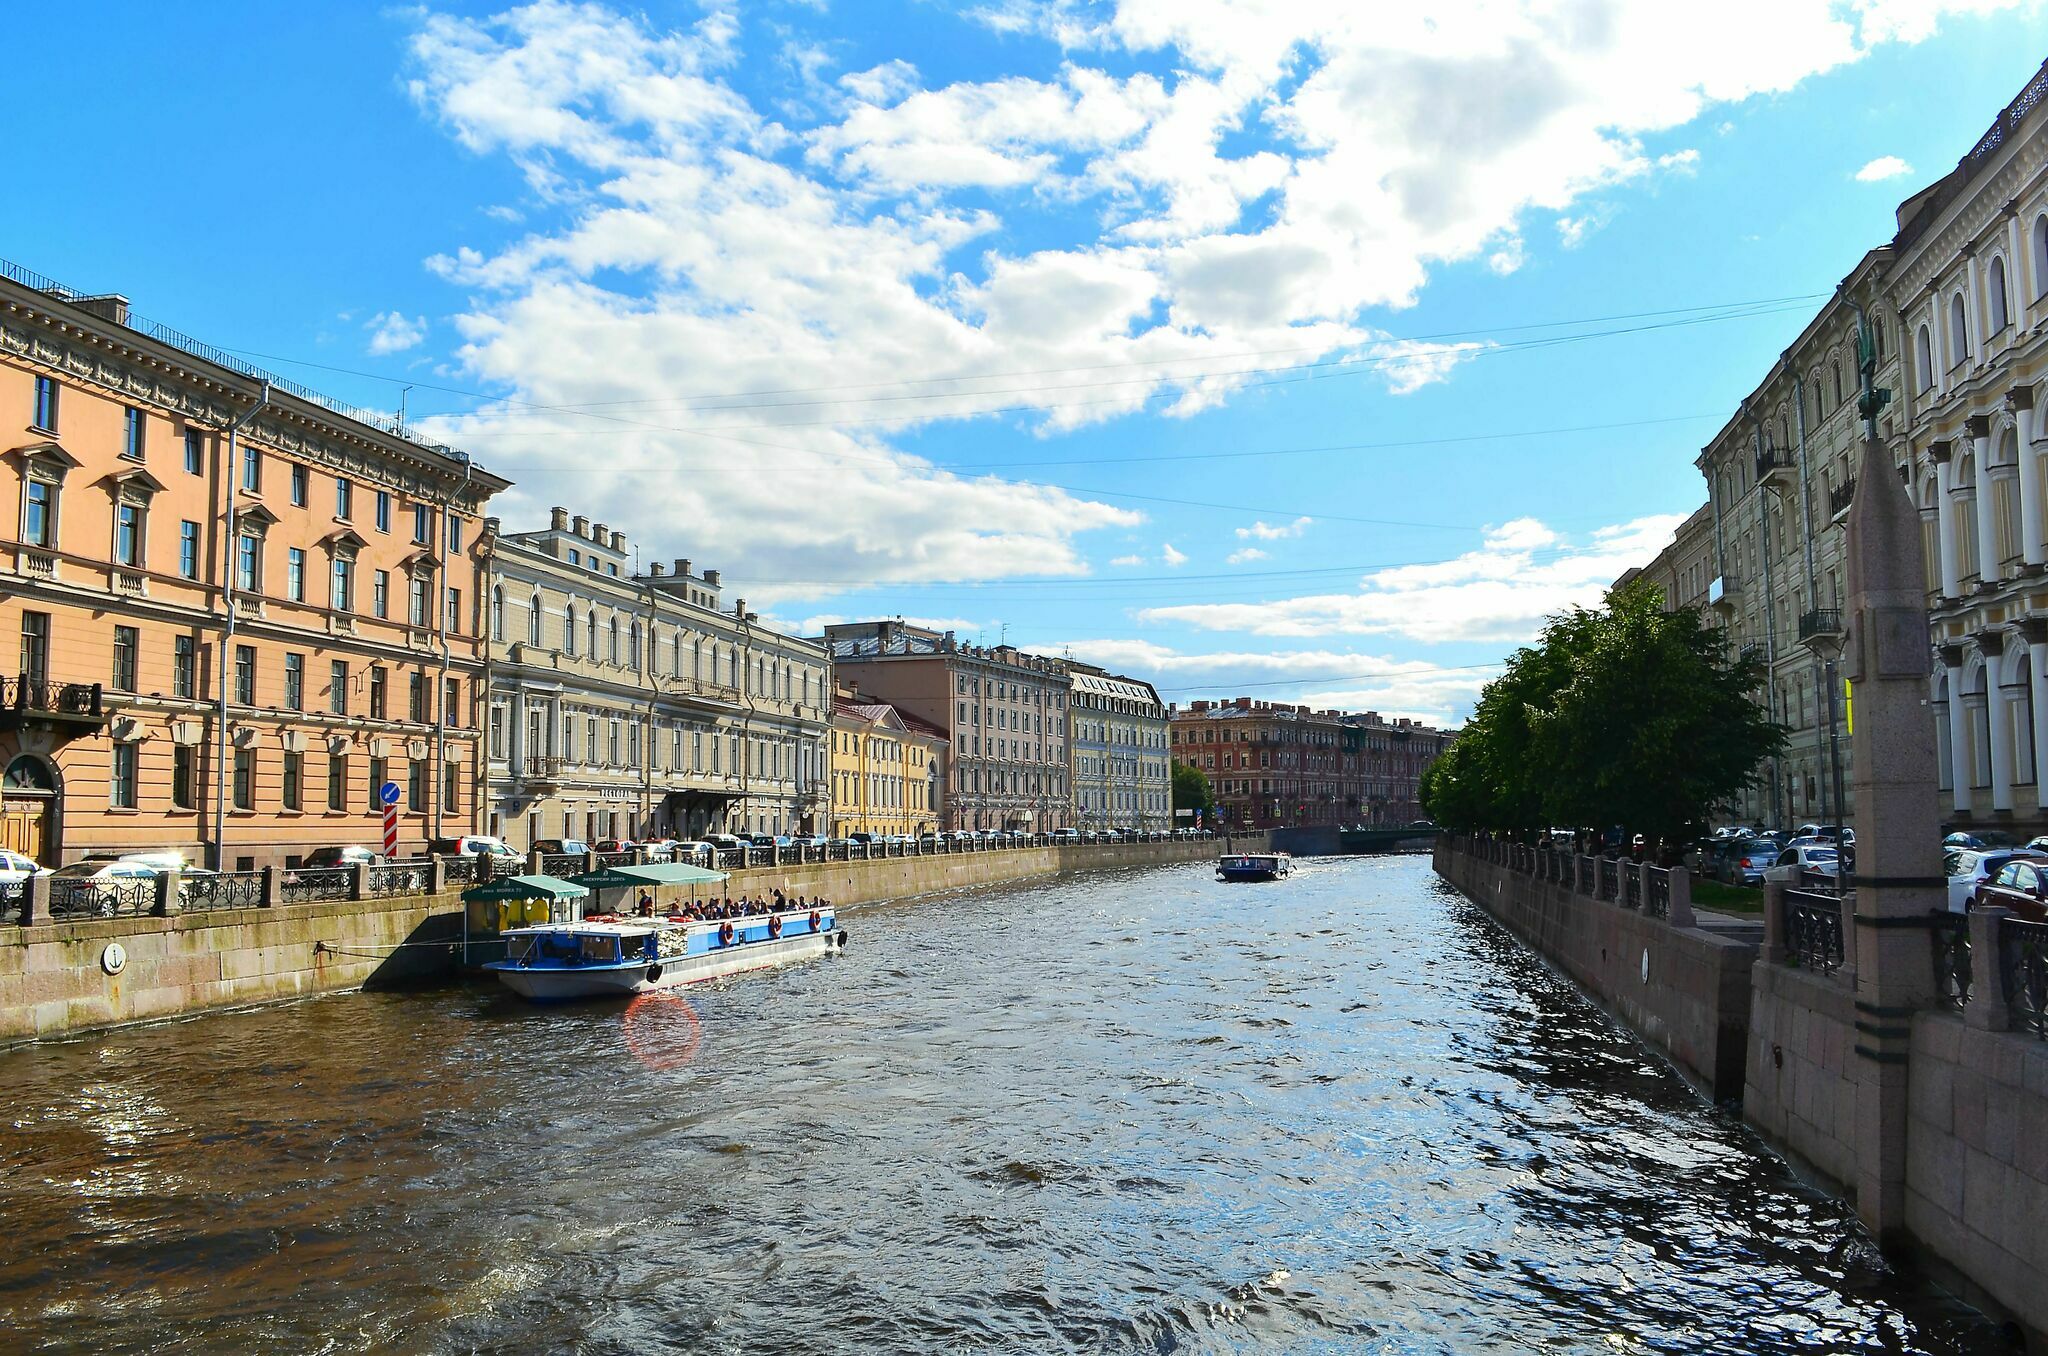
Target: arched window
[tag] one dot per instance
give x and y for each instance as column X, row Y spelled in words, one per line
column 1877, row 334
column 569, row 628
column 497, row 613
column 614, row 652
column 1958, row 330
column 2040, row 254
column 533, row 621
column 1816, row 399
column 676, row 654
column 592, row 621
column 633, row 640
column 1923, row 357
column 1994, row 297
column 1835, row 374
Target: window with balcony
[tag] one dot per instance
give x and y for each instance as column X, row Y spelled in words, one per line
column 46, row 404
column 127, row 645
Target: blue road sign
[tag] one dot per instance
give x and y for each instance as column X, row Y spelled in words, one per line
column 388, row 793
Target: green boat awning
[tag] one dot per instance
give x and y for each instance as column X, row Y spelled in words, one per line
column 654, row 873
column 527, row 887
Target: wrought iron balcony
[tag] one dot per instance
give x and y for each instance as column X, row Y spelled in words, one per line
column 27, row 702
column 541, row 769
column 1723, row 592
column 1774, row 467
column 1822, row 623
column 1840, row 497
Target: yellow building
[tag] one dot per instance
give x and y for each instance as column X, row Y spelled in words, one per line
column 887, row 768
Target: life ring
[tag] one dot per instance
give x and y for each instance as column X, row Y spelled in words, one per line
column 774, row 926
column 815, row 920
column 725, row 934
column 600, row 918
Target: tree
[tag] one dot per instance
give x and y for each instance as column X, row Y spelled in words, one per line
column 1628, row 715
column 1191, row 790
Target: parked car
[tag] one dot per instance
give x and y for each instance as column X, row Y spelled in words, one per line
column 95, row 884
column 324, row 858
column 724, row 842
column 1981, row 840
column 690, row 852
column 1811, row 862
column 1066, row 835
column 15, row 868
column 1742, row 861
column 1969, row 868
column 2021, row 885
column 470, row 844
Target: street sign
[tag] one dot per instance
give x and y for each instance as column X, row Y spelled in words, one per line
column 390, row 830
column 388, row 793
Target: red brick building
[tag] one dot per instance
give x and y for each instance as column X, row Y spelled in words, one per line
column 1271, row 765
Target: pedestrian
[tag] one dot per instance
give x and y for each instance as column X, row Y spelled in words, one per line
column 647, row 904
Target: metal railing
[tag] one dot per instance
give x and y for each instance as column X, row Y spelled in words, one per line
column 1631, row 885
column 224, row 890
column 561, row 863
column 465, row 869
column 386, row 879
column 2023, row 971
column 1841, row 497
column 13, row 898
column 1657, row 895
column 308, row 886
column 1821, row 621
column 1953, row 976
column 605, row 859
column 1610, row 878
column 26, row 692
column 1813, row 931
column 85, row 897
column 1772, row 459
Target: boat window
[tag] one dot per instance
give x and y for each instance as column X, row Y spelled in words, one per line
column 518, row 948
column 600, row 948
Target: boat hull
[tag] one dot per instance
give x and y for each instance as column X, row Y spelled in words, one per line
column 1229, row 873
column 570, row 983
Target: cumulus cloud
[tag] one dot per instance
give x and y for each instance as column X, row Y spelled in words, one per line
column 1127, row 560
column 1521, row 573
column 1347, row 680
column 1244, row 555
column 391, row 332
column 1169, row 556
column 1884, row 167
column 1264, row 531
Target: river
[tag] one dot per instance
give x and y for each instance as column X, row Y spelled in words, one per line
column 1121, row 1111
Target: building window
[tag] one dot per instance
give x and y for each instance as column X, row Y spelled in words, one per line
column 245, row 675
column 295, row 574
column 533, row 621
column 416, row 784
column 451, row 787
column 344, row 497
column 337, row 686
column 294, row 776
column 46, row 404
column 569, row 630
column 497, row 732
column 298, row 485
column 451, row 701
column 195, row 452
column 252, row 469
column 39, row 514
column 249, row 563
column 1994, row 298
column 380, row 594
column 454, row 612
column 498, row 614
column 1958, row 332
column 245, row 779
column 383, row 510
column 184, row 666
column 121, row 778
column 454, row 530
column 337, row 782
column 188, row 550
column 295, row 682
column 422, row 525
column 132, row 434
column 417, row 609
column 377, row 702
column 128, row 535
column 127, row 642
column 416, row 698
column 181, row 776
column 378, row 776
column 343, row 597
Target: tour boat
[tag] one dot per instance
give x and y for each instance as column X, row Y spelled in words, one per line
column 1254, row 866
column 605, row 957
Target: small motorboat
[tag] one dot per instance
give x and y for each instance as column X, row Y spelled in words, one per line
column 607, row 957
column 1254, row 866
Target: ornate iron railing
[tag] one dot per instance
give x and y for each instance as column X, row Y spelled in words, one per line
column 1841, row 496
column 1585, row 875
column 1950, row 933
column 227, row 890
column 2023, row 970
column 562, row 864
column 396, row 878
column 1657, row 897
column 1813, row 931
column 605, row 859
column 325, row 882
column 1610, row 878
column 86, row 897
column 29, row 693
column 1821, row 621
column 13, row 899
column 463, row 869
column 731, row 858
column 1631, row 885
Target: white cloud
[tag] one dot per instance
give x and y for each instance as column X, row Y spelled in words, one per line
column 1572, row 232
column 391, row 332
column 1884, row 167
column 1346, row 680
column 1169, row 556
column 884, row 84
column 1264, row 531
column 1128, row 560
column 1521, row 573
column 1240, row 557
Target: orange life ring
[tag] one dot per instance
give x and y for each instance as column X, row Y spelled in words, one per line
column 725, row 934
column 774, row 926
column 815, row 920
column 600, row 918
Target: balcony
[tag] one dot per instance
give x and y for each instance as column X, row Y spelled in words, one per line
column 1723, row 593
column 66, row 709
column 1839, row 499
column 1821, row 624
column 541, row 770
column 1774, row 469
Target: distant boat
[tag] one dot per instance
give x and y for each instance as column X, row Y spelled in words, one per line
column 1254, row 866
column 604, row 957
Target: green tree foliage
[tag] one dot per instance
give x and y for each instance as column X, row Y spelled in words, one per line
column 1628, row 715
column 1191, row 789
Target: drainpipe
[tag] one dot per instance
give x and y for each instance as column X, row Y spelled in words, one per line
column 441, row 702
column 229, row 560
column 1763, row 514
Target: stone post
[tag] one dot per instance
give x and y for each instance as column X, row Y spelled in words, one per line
column 1986, row 1009
column 533, row 862
column 589, row 861
column 1846, row 904
column 639, row 851
column 359, row 881
column 1773, row 952
column 1899, row 882
column 167, row 901
column 437, row 875
column 35, row 901
column 273, row 887
column 1682, row 915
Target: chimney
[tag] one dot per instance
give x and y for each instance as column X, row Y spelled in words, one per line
column 711, row 578
column 656, row 569
column 753, row 616
column 618, row 540
column 107, row 306
column 682, row 567
column 600, row 534
column 580, row 525
column 739, row 607
column 558, row 520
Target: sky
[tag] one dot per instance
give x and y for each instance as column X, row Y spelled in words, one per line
column 1313, row 352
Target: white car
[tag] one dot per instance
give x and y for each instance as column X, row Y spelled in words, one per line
column 101, row 887
column 1805, row 863
column 692, row 853
column 1968, row 868
column 15, row 868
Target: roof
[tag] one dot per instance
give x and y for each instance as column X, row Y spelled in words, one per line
column 1107, row 685
column 527, row 887
column 923, row 728
column 653, row 873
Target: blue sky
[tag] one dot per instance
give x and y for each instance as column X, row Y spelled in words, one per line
column 1315, row 352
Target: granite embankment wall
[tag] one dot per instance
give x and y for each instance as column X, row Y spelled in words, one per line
column 1682, row 988
column 55, row 975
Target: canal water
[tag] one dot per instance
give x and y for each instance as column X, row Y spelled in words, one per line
column 1134, row 1111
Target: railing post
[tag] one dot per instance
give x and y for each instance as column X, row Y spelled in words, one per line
column 167, row 893
column 437, row 875
column 273, row 887
column 1679, row 884
column 1986, row 1008
column 359, row 881
column 35, row 901
column 1773, row 952
column 589, row 861
column 1847, row 903
column 533, row 862
column 639, row 851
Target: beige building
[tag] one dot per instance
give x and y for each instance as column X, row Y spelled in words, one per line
column 636, row 705
column 888, row 769
column 239, row 608
column 1118, row 743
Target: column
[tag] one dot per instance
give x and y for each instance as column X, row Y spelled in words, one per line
column 2016, row 281
column 1945, row 510
column 2036, row 633
column 1997, row 722
column 1960, row 771
column 515, row 746
column 2032, row 549
column 1979, row 426
column 1973, row 306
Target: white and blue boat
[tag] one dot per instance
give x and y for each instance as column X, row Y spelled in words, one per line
column 619, row 957
column 1254, row 866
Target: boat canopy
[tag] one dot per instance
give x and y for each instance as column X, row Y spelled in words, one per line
column 527, row 887
column 653, row 873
